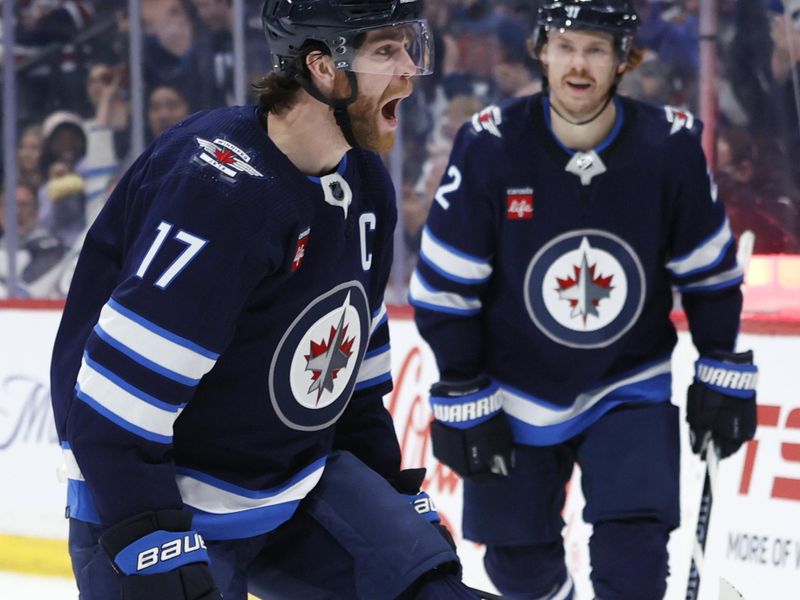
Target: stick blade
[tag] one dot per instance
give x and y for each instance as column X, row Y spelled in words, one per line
column 727, row 591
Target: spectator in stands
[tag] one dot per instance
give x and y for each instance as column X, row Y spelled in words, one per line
column 166, row 106
column 670, row 29
column 417, row 202
column 516, row 74
column 63, row 197
column 458, row 110
column 38, row 251
column 45, row 22
column 171, row 55
column 106, row 91
column 29, row 153
column 649, row 82
column 478, row 51
column 215, row 46
column 755, row 194
column 45, row 32
column 785, row 65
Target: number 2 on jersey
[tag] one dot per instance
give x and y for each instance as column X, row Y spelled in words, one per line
column 193, row 245
column 446, row 188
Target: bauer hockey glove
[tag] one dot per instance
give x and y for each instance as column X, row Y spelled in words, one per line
column 470, row 433
column 722, row 401
column 160, row 558
column 408, row 482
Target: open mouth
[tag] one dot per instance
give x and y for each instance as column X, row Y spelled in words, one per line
column 390, row 110
column 579, row 86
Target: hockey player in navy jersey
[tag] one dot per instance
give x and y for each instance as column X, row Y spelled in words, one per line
column 219, row 370
column 544, row 286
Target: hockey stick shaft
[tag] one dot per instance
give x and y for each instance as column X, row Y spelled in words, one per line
column 745, row 252
column 484, row 595
column 703, row 521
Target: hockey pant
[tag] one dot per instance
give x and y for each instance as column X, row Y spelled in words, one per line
column 352, row 538
column 629, row 463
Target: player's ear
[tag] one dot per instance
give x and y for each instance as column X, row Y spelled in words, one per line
column 321, row 70
column 541, row 56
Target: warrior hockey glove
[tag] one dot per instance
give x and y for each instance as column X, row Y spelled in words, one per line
column 722, row 401
column 160, row 557
column 470, row 433
column 408, row 483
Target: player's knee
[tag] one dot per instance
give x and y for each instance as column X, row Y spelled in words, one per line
column 533, row 571
column 629, row 559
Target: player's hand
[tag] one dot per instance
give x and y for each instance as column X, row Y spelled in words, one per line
column 722, row 401
column 160, row 558
column 471, row 434
column 409, row 483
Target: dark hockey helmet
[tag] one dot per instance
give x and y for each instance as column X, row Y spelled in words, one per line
column 341, row 25
column 617, row 17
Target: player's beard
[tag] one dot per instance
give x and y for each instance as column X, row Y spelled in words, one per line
column 366, row 119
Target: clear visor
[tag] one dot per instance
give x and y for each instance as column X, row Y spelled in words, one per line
column 565, row 51
column 399, row 49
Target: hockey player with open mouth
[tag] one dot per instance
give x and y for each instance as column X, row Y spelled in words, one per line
column 219, row 371
column 563, row 223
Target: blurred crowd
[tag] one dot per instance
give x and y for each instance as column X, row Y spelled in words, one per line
column 74, row 107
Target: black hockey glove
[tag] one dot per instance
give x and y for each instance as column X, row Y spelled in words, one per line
column 470, row 433
column 722, row 401
column 160, row 557
column 408, row 482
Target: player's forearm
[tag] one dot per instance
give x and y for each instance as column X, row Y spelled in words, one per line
column 367, row 431
column 714, row 318
column 123, row 475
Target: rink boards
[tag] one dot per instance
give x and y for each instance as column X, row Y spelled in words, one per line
column 754, row 539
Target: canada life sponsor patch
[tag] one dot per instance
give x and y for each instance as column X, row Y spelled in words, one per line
column 228, row 159
column 300, row 250
column 519, row 204
column 315, row 366
column 585, row 288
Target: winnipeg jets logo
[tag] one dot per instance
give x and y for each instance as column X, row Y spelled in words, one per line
column 489, row 119
column 315, row 365
column 585, row 288
column 680, row 119
column 330, row 356
column 226, row 158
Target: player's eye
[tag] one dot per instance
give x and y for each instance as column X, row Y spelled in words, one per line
column 386, row 51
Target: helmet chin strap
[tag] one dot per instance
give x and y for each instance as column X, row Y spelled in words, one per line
column 609, row 96
column 339, row 106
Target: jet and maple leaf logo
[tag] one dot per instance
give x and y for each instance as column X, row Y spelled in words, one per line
column 585, row 289
column 329, row 356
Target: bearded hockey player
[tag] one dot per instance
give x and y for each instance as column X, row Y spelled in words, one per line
column 219, row 370
column 544, row 286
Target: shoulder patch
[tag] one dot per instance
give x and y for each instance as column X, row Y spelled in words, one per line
column 489, row 119
column 226, row 158
column 680, row 119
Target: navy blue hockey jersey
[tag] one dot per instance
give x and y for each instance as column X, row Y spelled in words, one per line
column 552, row 270
column 224, row 330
